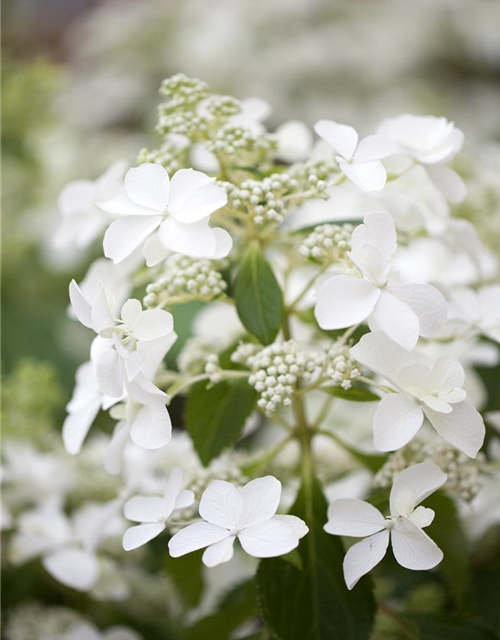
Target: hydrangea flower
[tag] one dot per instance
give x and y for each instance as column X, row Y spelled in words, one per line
column 153, row 512
column 248, row 514
column 479, row 310
column 412, row 547
column 178, row 209
column 81, row 220
column 423, row 390
column 359, row 161
column 403, row 312
column 430, row 141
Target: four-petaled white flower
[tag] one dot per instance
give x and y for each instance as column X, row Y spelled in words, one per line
column 412, row 547
column 359, row 162
column 434, row 392
column 430, row 141
column 403, row 312
column 248, row 514
column 152, row 511
column 178, row 209
column 81, row 220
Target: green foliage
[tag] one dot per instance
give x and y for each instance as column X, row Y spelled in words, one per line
column 354, row 394
column 447, row 533
column 215, row 415
column 234, row 610
column 259, row 300
column 186, row 573
column 314, row 603
column 446, row 626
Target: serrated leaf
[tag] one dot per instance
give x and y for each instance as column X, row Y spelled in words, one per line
column 354, row 394
column 258, row 296
column 314, row 603
column 215, row 415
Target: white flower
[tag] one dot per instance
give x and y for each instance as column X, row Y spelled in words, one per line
column 153, row 512
column 434, row 392
column 412, row 547
column 81, row 220
column 66, row 545
column 247, row 514
column 179, row 209
column 403, row 312
column 359, row 162
column 479, row 310
column 87, row 631
column 430, row 141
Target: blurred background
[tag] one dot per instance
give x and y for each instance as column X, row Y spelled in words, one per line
column 80, row 82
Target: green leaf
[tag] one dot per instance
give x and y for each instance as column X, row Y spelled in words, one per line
column 354, row 394
column 215, row 415
column 447, row 533
column 186, row 573
column 232, row 612
column 447, row 626
column 258, row 296
column 314, row 603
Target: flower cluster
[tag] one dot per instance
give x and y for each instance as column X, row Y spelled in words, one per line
column 339, row 365
column 185, row 277
column 328, row 243
column 241, row 145
column 463, row 473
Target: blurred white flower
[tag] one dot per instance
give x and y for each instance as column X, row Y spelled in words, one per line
column 153, row 512
column 479, row 310
column 412, row 547
column 248, row 514
column 87, row 631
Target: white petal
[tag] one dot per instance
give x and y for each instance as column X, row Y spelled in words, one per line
column 196, row 239
column 422, row 517
column 154, row 251
column 260, row 498
column 344, row 301
column 223, row 243
column 268, row 539
column 219, row 552
column 447, row 373
column 154, row 324
column 426, row 302
column 126, row 234
column 76, row 197
column 148, row 186
column 113, row 455
column 463, row 427
column 81, row 306
column 122, row 205
column 342, row 137
column 378, row 230
column 396, row 420
column 382, row 355
column 375, row 147
column 363, row 556
column 420, row 480
column 437, row 404
column 297, row 525
column 152, row 427
column 172, row 490
column 194, row 205
column 144, row 509
column 144, row 391
column 416, row 379
column 77, row 425
column 396, row 320
column 353, row 517
column 413, row 548
column 221, row 504
column 196, row 536
column 101, row 312
column 73, row 568
column 448, row 182
column 368, row 176
column 131, row 313
column 184, row 499
column 143, row 533
column 184, row 183
column 108, row 374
